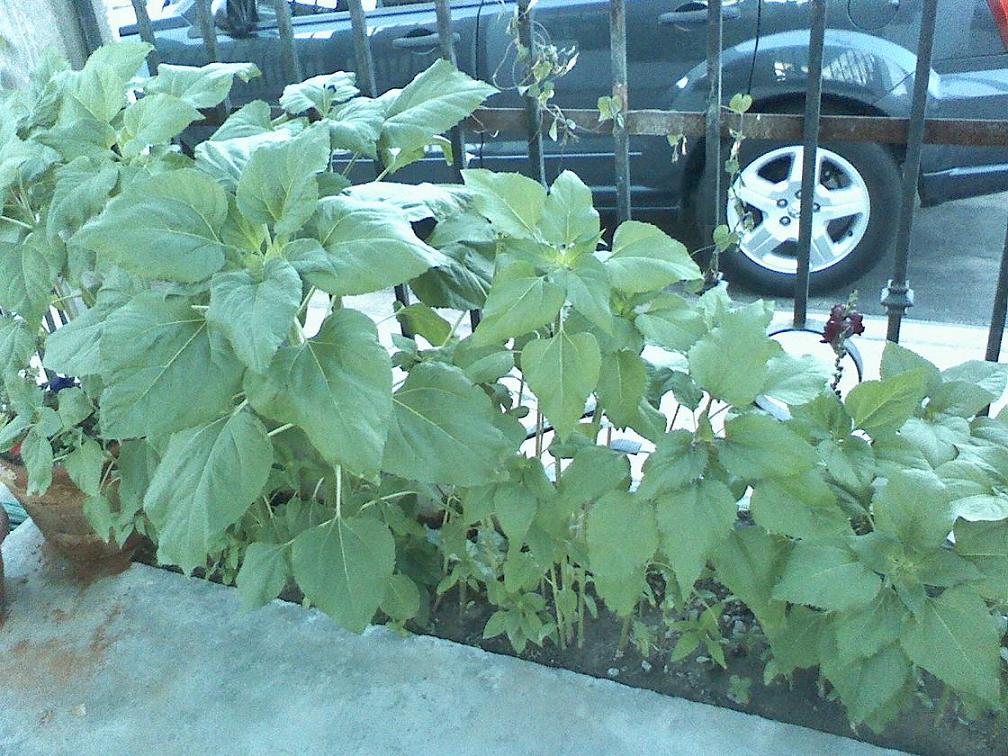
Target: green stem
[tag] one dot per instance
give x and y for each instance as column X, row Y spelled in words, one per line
column 624, row 635
column 16, row 222
column 281, row 429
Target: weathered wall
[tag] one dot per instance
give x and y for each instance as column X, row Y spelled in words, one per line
column 29, row 27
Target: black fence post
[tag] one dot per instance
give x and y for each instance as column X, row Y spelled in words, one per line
column 712, row 136
column 87, row 22
column 147, row 35
column 1000, row 309
column 620, row 96
column 369, row 86
column 897, row 295
column 533, row 112
column 810, row 162
column 285, row 27
column 459, row 159
column 207, row 30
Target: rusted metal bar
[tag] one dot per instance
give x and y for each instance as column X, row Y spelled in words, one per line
column 444, row 28
column 970, row 132
column 712, row 141
column 620, row 102
column 207, row 30
column 997, row 325
column 533, row 112
column 368, row 84
column 285, row 27
column 147, row 35
column 897, row 296
column 810, row 162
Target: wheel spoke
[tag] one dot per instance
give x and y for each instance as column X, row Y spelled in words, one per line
column 760, row 242
column 756, row 191
column 841, row 203
column 821, row 251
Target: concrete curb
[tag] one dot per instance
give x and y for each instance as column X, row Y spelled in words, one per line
column 153, row 662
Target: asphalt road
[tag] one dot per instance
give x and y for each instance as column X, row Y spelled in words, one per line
column 955, row 251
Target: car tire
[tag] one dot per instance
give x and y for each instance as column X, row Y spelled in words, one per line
column 851, row 246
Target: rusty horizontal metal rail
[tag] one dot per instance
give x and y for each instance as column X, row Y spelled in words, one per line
column 833, row 128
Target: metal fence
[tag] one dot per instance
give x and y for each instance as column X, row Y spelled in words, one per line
column 713, row 125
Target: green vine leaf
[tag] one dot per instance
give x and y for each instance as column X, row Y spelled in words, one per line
column 206, row 480
column 563, row 372
column 319, row 93
column 344, row 568
column 511, row 202
column 826, row 577
column 263, row 574
column 519, row 302
column 644, row 258
column 202, row 87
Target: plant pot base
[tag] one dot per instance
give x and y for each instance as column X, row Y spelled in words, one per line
column 59, row 514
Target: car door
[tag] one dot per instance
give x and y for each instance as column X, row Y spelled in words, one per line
column 666, row 54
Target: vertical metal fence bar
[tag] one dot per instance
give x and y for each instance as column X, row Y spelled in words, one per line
column 712, row 151
column 810, row 162
column 898, row 296
column 147, row 34
column 1000, row 309
column 459, row 161
column 285, row 27
column 207, row 30
column 369, row 86
column 87, row 21
column 620, row 94
column 533, row 113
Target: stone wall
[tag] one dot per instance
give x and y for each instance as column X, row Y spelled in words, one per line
column 29, row 27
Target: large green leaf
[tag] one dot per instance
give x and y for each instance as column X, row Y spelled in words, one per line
column 443, row 430
column 278, row 185
column 319, row 93
column 796, row 380
column 255, row 314
column 645, row 258
column 827, row 577
column 749, row 562
column 355, row 126
column 757, row 446
column 249, row 120
column 98, row 91
column 675, row 463
column 588, row 290
column 562, row 371
column 368, row 246
column 914, row 508
column 511, row 202
column 692, row 522
column 344, row 568
column 731, row 361
column 26, row 279
column 672, row 323
column 519, row 302
column 593, row 472
column 622, row 538
column 865, row 631
column 164, row 226
column 568, row 217
column 986, row 545
column 337, row 387
column 202, row 87
column 155, row 119
column 37, row 455
column 897, row 360
column 205, row 482
column 867, row 685
column 263, row 574
column 621, row 383
column 82, row 189
column 17, row 343
column 149, row 349
column 956, row 639
column 432, row 103
column 881, row 407
column 801, row 506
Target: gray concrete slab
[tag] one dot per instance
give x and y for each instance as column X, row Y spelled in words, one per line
column 150, row 662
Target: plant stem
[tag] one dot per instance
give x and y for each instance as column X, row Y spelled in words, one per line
column 624, row 636
column 16, row 222
column 281, row 429
column 339, row 491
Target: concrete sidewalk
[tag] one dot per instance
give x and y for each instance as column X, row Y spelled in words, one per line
column 150, row 662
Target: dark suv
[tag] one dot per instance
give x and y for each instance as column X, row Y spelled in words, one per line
column 868, row 69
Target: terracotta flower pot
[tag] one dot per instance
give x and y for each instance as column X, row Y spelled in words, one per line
column 59, row 514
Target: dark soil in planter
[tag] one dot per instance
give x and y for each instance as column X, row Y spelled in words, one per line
column 920, row 730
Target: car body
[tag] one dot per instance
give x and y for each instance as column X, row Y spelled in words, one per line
column 869, row 61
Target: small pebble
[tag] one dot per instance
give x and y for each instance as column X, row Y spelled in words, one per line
column 645, row 665
column 738, row 628
column 612, row 672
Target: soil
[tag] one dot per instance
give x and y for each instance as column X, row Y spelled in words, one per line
column 920, row 730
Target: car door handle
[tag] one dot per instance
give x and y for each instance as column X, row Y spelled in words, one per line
column 415, row 41
column 695, row 13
